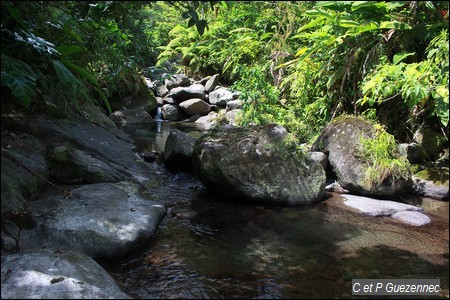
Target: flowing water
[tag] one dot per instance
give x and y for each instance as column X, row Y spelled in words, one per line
column 209, row 246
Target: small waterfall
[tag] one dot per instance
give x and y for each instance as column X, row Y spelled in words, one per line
column 158, row 114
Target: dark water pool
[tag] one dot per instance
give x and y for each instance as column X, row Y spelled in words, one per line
column 209, row 246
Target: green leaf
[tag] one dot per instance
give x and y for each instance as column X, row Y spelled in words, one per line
column 401, row 56
column 22, row 87
column 394, row 25
column 82, row 72
column 67, row 50
column 64, row 75
column 201, row 25
column 320, row 13
column 191, row 22
column 348, row 23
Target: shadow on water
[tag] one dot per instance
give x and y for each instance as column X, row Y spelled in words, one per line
column 210, row 247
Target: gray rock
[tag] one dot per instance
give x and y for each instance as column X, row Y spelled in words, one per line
column 195, row 106
column 413, row 152
column 178, row 150
column 73, row 166
column 130, row 116
column 176, row 81
column 258, row 164
column 432, row 183
column 181, row 94
column 99, row 220
column 171, row 112
column 220, row 96
column 414, row 218
column 374, row 207
column 234, row 104
column 22, row 158
column 162, row 90
column 211, row 84
column 168, row 100
column 342, row 140
column 320, row 157
column 232, row 116
column 43, row 273
column 208, row 122
column 431, row 141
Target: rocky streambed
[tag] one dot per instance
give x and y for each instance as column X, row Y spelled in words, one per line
column 89, row 211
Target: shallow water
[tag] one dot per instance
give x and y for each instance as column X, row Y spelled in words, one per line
column 210, row 246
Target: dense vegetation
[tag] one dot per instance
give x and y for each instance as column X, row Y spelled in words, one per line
column 295, row 63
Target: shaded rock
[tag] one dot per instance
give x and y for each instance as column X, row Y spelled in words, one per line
column 130, row 116
column 211, row 84
column 414, row 218
column 73, row 166
column 43, row 273
column 177, row 80
column 162, row 90
column 181, row 94
column 413, row 152
column 431, row 141
column 220, row 96
column 341, row 139
column 335, row 187
column 171, row 112
column 114, row 149
column 320, row 157
column 432, row 182
column 234, row 104
column 99, row 220
column 168, row 100
column 258, row 164
column 23, row 156
column 195, row 106
column 178, row 150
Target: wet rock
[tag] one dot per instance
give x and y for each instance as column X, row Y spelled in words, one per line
column 99, row 220
column 432, row 182
column 178, row 150
column 39, row 274
column 258, row 164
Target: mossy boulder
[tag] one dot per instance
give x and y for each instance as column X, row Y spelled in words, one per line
column 259, row 163
column 364, row 157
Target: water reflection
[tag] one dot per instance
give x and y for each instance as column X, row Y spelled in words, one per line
column 210, row 246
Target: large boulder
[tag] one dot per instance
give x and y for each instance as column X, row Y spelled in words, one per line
column 195, row 106
column 260, row 163
column 49, row 274
column 181, row 94
column 356, row 170
column 99, row 220
column 172, row 112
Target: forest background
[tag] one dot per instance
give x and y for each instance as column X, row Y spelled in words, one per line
column 298, row 64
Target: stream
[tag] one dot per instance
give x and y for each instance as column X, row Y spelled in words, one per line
column 209, row 246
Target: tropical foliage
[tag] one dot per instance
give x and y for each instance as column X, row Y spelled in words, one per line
column 299, row 64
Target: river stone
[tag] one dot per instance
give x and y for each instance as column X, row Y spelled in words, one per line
column 341, row 140
column 320, row 157
column 220, row 96
column 257, row 163
column 209, row 121
column 432, row 183
column 195, row 106
column 171, row 112
column 178, row 150
column 233, row 115
column 181, row 94
column 48, row 274
column 99, row 220
column 413, row 152
column 211, row 84
column 374, row 207
column 414, row 218
column 176, row 81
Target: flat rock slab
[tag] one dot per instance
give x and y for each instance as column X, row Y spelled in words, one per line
column 409, row 214
column 44, row 273
column 99, row 220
